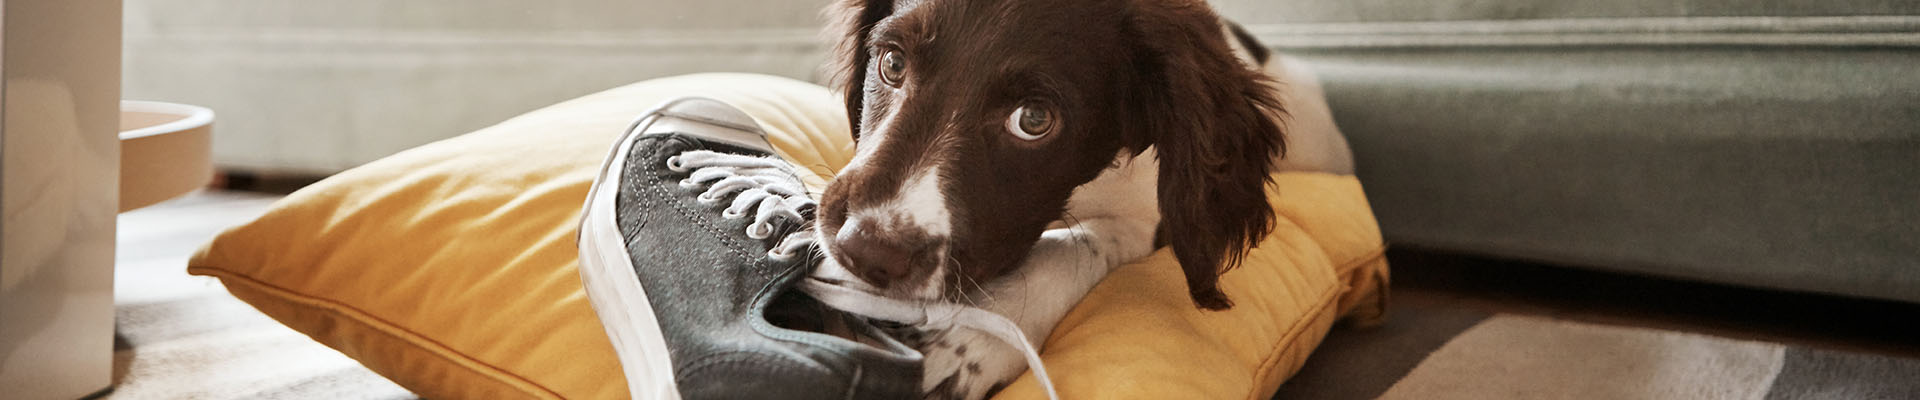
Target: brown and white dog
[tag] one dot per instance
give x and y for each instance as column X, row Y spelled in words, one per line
column 1010, row 153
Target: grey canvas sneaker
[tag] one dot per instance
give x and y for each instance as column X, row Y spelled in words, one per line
column 686, row 257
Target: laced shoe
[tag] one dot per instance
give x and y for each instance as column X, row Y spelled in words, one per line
column 693, row 244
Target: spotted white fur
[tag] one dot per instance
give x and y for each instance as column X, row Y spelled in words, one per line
column 919, row 206
column 923, row 205
column 1116, row 215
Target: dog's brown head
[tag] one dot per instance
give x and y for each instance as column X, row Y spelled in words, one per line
column 975, row 120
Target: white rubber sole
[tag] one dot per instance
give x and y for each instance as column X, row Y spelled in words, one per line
column 614, row 288
column 606, row 270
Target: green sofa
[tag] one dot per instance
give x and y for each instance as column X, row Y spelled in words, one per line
column 1771, row 143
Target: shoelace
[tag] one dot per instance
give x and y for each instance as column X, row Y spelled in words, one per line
column 765, row 189
column 832, row 289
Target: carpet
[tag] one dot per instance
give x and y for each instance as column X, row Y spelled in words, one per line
column 1441, row 352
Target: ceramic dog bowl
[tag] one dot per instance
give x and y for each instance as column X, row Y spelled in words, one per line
column 166, row 150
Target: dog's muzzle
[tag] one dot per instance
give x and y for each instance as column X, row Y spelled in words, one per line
column 893, row 258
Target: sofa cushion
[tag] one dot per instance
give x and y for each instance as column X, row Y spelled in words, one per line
column 1749, row 142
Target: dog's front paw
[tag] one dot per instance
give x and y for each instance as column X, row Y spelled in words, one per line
column 965, row 364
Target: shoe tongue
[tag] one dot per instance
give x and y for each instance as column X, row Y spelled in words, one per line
column 698, row 142
column 746, row 138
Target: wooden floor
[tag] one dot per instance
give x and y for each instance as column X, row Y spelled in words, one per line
column 179, row 336
column 1562, row 330
column 1812, row 320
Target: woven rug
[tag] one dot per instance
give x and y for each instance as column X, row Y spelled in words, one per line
column 1442, row 352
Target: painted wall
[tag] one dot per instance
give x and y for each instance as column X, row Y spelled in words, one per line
column 320, row 86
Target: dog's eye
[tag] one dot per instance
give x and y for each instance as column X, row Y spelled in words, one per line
column 892, row 68
column 1031, row 121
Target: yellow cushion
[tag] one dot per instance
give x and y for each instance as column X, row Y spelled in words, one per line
column 1138, row 336
column 450, row 268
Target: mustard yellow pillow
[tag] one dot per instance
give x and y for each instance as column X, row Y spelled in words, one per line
column 450, row 268
column 1138, row 336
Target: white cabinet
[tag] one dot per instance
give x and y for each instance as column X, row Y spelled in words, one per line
column 59, row 168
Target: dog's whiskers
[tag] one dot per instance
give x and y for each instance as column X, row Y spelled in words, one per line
column 1079, row 231
column 969, row 280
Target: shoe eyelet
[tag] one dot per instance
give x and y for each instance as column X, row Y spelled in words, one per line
column 731, row 214
column 673, row 163
column 759, row 231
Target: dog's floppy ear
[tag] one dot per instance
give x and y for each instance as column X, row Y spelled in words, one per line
column 851, row 21
column 1212, row 119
